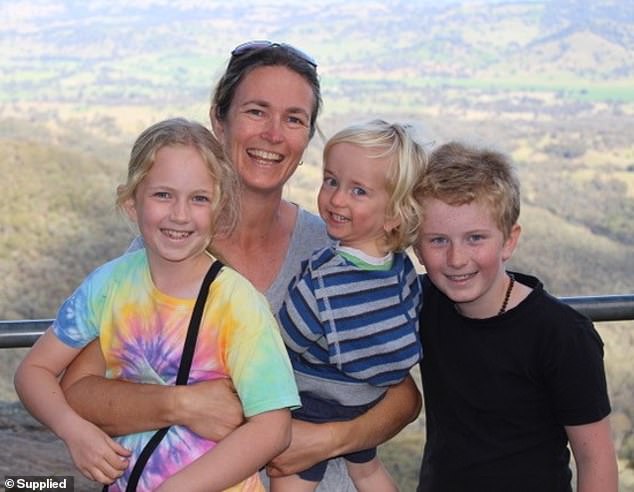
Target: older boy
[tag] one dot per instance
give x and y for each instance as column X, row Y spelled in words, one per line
column 510, row 374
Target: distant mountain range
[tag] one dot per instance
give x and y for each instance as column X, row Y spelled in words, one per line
column 550, row 82
column 116, row 52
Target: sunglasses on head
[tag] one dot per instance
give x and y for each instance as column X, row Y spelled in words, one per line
column 258, row 45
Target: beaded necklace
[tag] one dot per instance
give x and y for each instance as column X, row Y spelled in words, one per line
column 507, row 296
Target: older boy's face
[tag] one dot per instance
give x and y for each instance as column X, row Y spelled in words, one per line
column 463, row 252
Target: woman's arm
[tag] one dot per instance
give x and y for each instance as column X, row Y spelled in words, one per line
column 210, row 408
column 593, row 449
column 317, row 442
column 36, row 381
column 237, row 457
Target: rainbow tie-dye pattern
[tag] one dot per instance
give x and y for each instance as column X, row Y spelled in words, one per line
column 142, row 332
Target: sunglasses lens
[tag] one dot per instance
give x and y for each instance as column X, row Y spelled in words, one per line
column 243, row 48
column 307, row 58
column 258, row 45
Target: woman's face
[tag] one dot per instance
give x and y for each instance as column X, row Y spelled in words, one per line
column 267, row 127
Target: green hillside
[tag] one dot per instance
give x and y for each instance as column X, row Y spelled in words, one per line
column 58, row 222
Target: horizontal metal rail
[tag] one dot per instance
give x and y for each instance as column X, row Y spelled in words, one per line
column 24, row 333
column 604, row 308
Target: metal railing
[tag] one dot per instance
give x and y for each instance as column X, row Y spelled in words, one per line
column 24, row 333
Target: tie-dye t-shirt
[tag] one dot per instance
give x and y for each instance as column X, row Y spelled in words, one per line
column 142, row 332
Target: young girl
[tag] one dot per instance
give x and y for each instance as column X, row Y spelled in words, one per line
column 349, row 320
column 179, row 192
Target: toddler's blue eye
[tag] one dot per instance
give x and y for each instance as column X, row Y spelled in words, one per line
column 359, row 191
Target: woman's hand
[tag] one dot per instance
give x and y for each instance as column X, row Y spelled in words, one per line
column 310, row 444
column 211, row 409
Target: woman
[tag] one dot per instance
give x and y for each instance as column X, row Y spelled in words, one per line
column 264, row 112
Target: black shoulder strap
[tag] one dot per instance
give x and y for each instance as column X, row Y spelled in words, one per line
column 194, row 324
column 183, row 372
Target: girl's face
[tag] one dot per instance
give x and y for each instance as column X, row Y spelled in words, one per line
column 267, row 127
column 172, row 206
column 353, row 198
column 463, row 251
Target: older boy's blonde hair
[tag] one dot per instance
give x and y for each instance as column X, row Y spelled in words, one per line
column 458, row 174
column 179, row 131
column 407, row 162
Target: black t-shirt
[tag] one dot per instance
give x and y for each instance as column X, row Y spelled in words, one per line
column 499, row 391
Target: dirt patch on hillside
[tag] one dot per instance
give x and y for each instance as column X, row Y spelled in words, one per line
column 28, row 448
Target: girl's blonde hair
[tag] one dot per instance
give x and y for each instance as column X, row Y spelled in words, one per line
column 408, row 161
column 179, row 131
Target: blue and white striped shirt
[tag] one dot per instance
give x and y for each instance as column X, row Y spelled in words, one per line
column 351, row 332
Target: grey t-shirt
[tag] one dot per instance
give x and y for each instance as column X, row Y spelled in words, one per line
column 308, row 236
